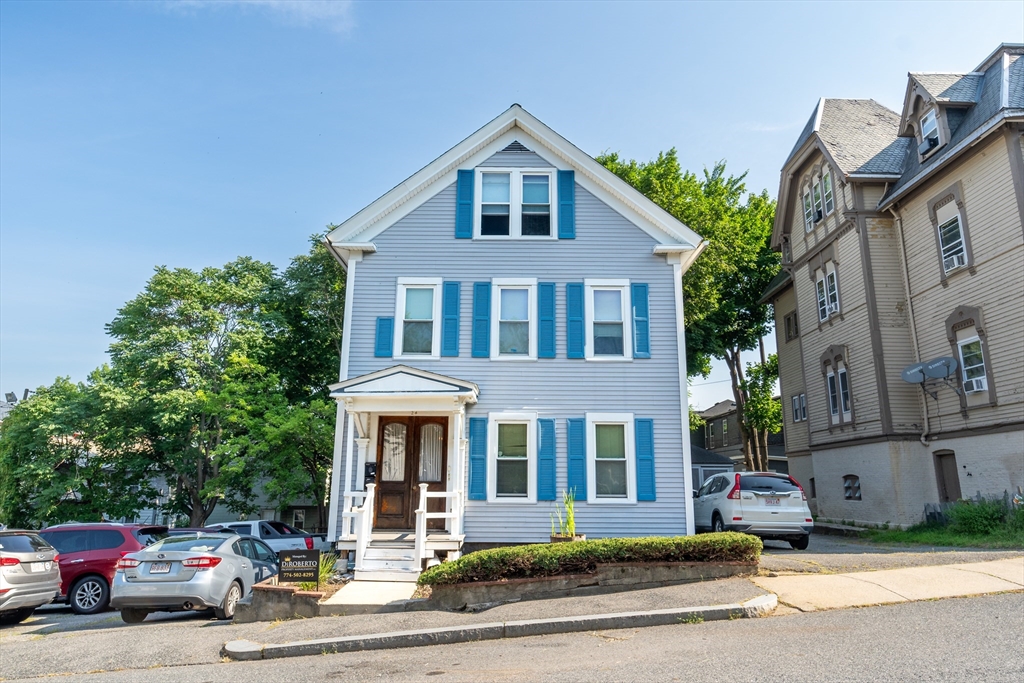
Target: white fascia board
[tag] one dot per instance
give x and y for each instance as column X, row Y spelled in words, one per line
column 509, row 126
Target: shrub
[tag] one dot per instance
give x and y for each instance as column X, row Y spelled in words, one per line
column 979, row 517
column 327, row 563
column 582, row 557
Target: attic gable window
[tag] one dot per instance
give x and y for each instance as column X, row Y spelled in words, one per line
column 515, row 203
column 929, row 133
column 808, row 212
column 826, row 190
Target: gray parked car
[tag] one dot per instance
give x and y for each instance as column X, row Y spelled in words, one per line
column 29, row 575
column 195, row 571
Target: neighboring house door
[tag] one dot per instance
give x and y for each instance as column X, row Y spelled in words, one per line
column 949, row 478
column 410, row 450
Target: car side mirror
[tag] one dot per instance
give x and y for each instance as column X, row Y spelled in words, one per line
column 696, row 494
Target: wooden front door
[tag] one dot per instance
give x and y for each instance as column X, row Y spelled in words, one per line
column 410, row 451
column 949, row 478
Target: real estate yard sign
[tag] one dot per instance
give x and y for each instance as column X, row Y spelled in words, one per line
column 299, row 565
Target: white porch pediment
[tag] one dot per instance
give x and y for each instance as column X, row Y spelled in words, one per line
column 404, row 384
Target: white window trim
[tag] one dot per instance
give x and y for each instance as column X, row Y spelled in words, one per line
column 834, row 374
column 513, row 283
column 938, row 134
column 435, row 343
column 493, row 420
column 817, row 199
column 963, row 366
column 799, row 402
column 589, row 286
column 825, row 195
column 823, row 278
column 594, row 419
column 515, row 218
column 808, row 210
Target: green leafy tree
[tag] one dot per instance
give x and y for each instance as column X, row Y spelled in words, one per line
column 67, row 453
column 723, row 315
column 182, row 348
column 762, row 413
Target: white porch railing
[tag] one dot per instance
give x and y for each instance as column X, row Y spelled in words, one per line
column 453, row 513
column 349, row 511
column 364, row 524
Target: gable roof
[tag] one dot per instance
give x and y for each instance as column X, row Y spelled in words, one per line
column 357, row 233
column 702, row 456
column 959, row 88
column 726, row 407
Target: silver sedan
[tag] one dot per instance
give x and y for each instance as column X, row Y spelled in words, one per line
column 196, row 571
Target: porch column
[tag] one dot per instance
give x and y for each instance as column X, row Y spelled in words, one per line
column 361, row 445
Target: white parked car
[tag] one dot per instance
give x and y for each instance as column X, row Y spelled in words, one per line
column 277, row 535
column 766, row 504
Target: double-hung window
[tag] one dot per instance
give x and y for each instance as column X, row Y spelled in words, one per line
column 513, row 454
column 514, row 318
column 611, row 458
column 808, row 212
column 930, row 128
column 827, row 289
column 799, row 407
column 816, row 189
column 838, row 395
column 608, row 316
column 418, row 315
column 972, row 365
column 951, row 237
column 826, row 191
column 516, row 203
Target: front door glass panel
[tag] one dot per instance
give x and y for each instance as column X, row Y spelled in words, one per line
column 393, row 453
column 431, row 446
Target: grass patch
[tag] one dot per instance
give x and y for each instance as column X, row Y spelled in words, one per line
column 937, row 534
column 582, row 557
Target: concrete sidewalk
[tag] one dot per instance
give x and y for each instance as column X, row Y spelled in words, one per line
column 811, row 592
column 805, row 592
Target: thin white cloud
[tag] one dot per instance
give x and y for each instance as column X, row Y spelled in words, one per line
column 333, row 15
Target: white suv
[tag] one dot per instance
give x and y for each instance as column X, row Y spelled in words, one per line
column 772, row 506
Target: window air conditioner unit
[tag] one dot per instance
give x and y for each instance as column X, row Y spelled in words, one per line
column 928, row 145
column 817, row 215
column 955, row 261
column 974, row 385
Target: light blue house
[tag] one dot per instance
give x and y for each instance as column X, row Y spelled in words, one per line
column 513, row 329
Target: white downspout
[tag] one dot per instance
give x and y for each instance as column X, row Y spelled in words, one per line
column 910, row 313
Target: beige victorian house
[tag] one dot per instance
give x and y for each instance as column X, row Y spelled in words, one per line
column 900, row 311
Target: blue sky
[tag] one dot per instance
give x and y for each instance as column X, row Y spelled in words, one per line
column 136, row 134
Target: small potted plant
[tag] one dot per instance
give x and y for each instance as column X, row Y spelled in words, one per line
column 565, row 529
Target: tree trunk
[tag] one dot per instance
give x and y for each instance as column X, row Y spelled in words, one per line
column 732, row 360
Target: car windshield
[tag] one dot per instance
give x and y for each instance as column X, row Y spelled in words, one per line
column 192, row 543
column 23, row 543
column 767, row 482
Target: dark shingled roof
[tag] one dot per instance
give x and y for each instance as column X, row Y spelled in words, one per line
column 950, row 87
column 860, row 136
column 777, row 284
column 1016, row 81
column 702, row 456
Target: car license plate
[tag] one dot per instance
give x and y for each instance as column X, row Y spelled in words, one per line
column 38, row 566
column 772, row 501
column 160, row 568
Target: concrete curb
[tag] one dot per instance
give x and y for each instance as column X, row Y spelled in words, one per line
column 248, row 650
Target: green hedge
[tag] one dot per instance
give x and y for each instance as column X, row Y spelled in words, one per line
column 582, row 557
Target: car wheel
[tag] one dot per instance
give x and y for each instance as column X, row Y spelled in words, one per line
column 717, row 525
column 133, row 616
column 800, row 543
column 16, row 616
column 90, row 595
column 227, row 608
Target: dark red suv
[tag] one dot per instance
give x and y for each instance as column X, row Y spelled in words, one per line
column 88, row 556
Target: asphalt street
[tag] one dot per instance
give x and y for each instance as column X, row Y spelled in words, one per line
column 981, row 632
column 972, row 639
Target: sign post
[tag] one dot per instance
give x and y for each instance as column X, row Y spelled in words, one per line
column 299, row 565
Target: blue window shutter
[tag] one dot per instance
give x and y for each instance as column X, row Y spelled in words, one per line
column 450, row 302
column 644, row 428
column 382, row 347
column 545, row 459
column 641, row 321
column 546, row 320
column 577, row 428
column 574, row 332
column 478, row 458
column 464, row 205
column 566, row 205
column 481, row 320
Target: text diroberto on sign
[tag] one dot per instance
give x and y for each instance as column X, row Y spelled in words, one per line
column 299, row 565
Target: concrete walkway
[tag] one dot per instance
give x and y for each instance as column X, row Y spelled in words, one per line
column 367, row 597
column 811, row 592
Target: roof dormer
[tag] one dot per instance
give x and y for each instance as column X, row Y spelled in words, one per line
column 934, row 106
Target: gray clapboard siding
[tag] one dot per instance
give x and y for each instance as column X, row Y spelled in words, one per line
column 606, row 246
